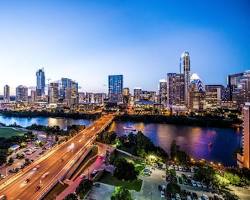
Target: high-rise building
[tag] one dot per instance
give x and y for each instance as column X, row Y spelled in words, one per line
column 40, row 82
column 33, row 95
column 196, row 94
column 99, row 98
column 185, row 66
column 53, row 92
column 126, row 95
column 233, row 80
column 243, row 159
column 115, row 88
column 241, row 93
column 21, row 94
column 6, row 95
column 213, row 96
column 148, row 95
column 175, row 89
column 137, row 94
column 163, row 92
column 69, row 92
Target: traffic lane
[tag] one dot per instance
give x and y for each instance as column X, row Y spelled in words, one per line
column 74, row 140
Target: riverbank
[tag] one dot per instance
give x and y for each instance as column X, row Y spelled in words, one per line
column 202, row 121
column 72, row 115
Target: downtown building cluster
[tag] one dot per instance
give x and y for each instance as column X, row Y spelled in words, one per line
column 184, row 92
column 180, row 92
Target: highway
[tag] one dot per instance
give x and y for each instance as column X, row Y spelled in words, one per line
column 51, row 167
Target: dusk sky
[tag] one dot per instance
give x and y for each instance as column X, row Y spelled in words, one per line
column 142, row 39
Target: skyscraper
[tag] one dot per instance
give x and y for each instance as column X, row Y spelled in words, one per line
column 69, row 92
column 21, row 94
column 213, row 96
column 233, row 80
column 40, row 82
column 163, row 95
column 243, row 158
column 6, row 96
column 185, row 66
column 53, row 92
column 175, row 89
column 137, row 94
column 115, row 88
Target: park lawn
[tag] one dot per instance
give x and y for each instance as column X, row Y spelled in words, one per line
column 139, row 164
column 7, row 132
column 107, row 178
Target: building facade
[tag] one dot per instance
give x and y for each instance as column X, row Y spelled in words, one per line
column 40, row 82
column 163, row 92
column 243, row 159
column 21, row 94
column 185, row 66
column 213, row 96
column 6, row 95
column 175, row 89
column 115, row 88
column 53, row 93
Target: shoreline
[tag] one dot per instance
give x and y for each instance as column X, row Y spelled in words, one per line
column 201, row 121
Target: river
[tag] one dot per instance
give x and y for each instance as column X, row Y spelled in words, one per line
column 194, row 140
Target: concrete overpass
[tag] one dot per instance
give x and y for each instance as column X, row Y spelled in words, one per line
column 45, row 173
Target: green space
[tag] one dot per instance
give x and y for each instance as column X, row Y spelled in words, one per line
column 7, row 132
column 107, row 178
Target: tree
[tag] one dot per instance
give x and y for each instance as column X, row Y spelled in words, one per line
column 173, row 188
column 121, row 193
column 125, row 170
column 84, row 187
column 205, row 174
column 10, row 161
column 71, row 196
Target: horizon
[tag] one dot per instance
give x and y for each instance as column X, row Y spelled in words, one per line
column 87, row 41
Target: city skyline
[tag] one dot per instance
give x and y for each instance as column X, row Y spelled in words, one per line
column 77, row 40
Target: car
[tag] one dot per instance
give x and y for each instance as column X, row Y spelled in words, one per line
column 193, row 183
column 189, row 198
column 198, row 184
column 204, row 197
column 27, row 180
column 177, row 196
column 2, row 176
column 162, row 195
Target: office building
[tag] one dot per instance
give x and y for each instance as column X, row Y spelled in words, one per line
column 163, row 95
column 148, row 95
column 21, row 94
column 115, row 88
column 241, row 93
column 175, row 89
column 40, row 82
column 233, row 80
column 243, row 158
column 6, row 95
column 99, row 98
column 69, row 92
column 185, row 67
column 196, row 94
column 137, row 94
column 213, row 96
column 126, row 95
column 53, row 93
column 33, row 96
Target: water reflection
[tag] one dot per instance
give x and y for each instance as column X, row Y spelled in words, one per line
column 46, row 121
column 215, row 144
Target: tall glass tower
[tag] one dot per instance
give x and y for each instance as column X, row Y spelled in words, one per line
column 40, row 82
column 185, row 66
column 115, row 88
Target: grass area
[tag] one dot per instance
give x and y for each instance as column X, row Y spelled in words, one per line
column 7, row 132
column 55, row 191
column 130, row 185
column 139, row 164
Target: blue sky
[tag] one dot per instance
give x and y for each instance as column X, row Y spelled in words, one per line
column 142, row 39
